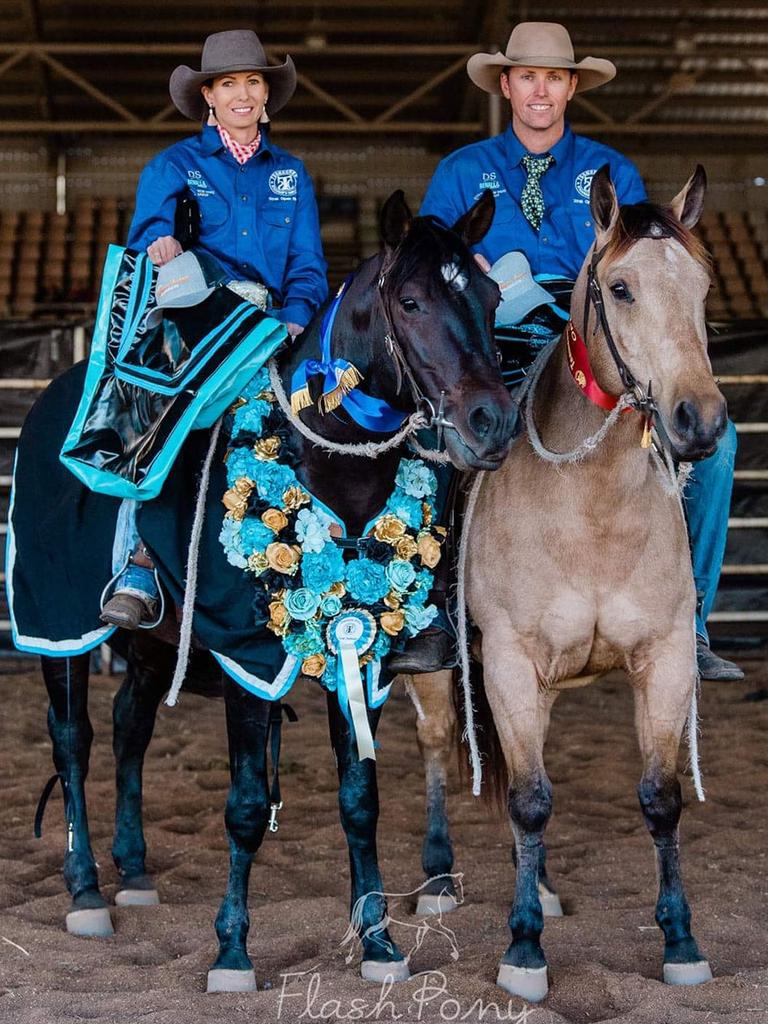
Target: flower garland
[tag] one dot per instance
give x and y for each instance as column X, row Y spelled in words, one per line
column 281, row 536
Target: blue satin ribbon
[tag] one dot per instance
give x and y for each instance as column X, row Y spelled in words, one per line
column 370, row 413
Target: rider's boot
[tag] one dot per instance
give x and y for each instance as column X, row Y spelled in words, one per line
column 135, row 595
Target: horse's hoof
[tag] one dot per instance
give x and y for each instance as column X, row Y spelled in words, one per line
column 91, row 923
column 379, row 971
column 221, row 979
column 137, row 898
column 687, row 974
column 437, row 903
column 530, row 983
column 550, row 902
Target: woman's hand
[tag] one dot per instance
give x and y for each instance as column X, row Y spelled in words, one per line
column 294, row 330
column 163, row 250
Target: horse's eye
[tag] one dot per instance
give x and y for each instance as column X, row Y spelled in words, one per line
column 409, row 305
column 620, row 292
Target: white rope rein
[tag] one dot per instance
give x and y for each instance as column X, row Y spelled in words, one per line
column 470, row 733
column 190, row 588
column 589, row 444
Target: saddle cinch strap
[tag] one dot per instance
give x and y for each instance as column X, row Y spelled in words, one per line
column 147, row 386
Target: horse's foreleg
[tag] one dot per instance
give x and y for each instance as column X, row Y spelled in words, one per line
column 436, row 733
column 521, row 714
column 662, row 702
column 150, row 667
column 359, row 812
column 246, row 818
column 66, row 680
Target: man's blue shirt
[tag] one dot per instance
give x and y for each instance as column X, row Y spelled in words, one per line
column 258, row 219
column 566, row 232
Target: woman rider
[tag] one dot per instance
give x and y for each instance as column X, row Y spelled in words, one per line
column 258, row 216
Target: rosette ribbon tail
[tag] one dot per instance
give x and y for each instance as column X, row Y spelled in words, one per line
column 349, row 687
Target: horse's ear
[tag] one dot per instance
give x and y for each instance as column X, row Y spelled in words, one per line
column 602, row 200
column 395, row 219
column 689, row 201
column 473, row 226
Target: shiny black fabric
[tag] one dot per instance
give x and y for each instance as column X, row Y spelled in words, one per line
column 128, row 422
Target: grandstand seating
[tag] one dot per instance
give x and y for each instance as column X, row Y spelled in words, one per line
column 50, row 262
column 738, row 243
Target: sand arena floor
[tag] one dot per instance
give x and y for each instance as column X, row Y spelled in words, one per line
column 604, row 955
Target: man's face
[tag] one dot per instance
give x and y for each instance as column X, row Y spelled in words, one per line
column 538, row 96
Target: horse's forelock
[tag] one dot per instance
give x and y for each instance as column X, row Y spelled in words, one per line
column 650, row 220
column 429, row 247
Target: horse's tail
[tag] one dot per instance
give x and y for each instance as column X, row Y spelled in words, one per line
column 495, row 774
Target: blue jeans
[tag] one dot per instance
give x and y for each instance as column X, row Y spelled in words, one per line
column 707, row 505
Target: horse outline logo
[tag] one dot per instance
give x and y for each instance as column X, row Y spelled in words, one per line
column 422, row 926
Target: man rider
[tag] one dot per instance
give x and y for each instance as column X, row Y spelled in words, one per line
column 540, row 173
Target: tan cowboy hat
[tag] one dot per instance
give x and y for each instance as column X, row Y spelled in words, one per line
column 237, row 50
column 538, row 44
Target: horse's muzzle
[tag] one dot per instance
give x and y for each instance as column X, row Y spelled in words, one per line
column 484, row 428
column 696, row 427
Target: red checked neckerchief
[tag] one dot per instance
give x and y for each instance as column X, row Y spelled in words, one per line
column 240, row 151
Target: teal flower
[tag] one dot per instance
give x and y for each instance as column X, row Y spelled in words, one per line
column 258, row 383
column 254, row 535
column 418, row 617
column 249, row 417
column 320, row 570
column 400, row 574
column 312, row 530
column 329, row 676
column 241, row 462
column 330, row 605
column 272, row 478
column 230, row 541
column 406, row 508
column 301, row 604
column 416, row 479
column 366, row 581
column 309, row 641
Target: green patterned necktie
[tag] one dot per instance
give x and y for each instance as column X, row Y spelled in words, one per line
column 531, row 199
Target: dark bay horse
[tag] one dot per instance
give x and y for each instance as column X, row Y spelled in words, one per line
column 416, row 320
column 578, row 560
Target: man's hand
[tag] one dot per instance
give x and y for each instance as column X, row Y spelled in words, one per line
column 163, row 250
column 294, row 330
column 482, row 262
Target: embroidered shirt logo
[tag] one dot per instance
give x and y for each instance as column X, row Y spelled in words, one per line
column 490, row 181
column 284, row 182
column 583, row 182
column 197, row 184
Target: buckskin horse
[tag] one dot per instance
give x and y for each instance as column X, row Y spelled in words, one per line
column 577, row 558
column 419, row 312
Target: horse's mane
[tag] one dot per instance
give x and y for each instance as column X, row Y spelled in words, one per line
column 651, row 220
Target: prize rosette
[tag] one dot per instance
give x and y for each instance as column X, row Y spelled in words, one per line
column 349, row 635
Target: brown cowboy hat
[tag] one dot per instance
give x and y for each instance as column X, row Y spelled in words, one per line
column 538, row 44
column 237, row 50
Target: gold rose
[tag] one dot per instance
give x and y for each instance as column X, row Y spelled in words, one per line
column 283, row 558
column 258, row 562
column 389, row 529
column 392, row 622
column 274, row 519
column 406, row 548
column 429, row 550
column 426, row 513
column 294, row 498
column 393, row 600
column 337, row 590
column 314, row 665
column 267, row 449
